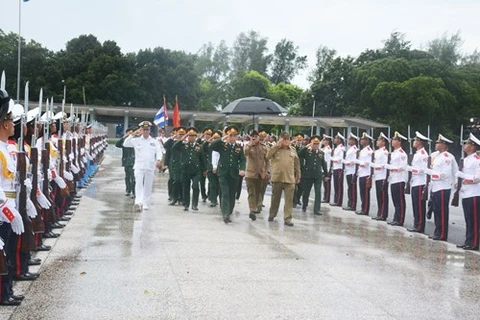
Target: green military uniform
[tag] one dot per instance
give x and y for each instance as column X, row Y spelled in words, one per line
column 232, row 160
column 314, row 169
column 192, row 166
column 175, row 158
column 128, row 160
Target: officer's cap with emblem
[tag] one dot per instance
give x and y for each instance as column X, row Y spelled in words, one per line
column 352, row 136
column 299, row 136
column 340, row 136
column 89, row 126
column 315, row 139
column 217, row 134
column 366, row 136
column 17, row 112
column 192, row 131
column 263, row 133
column 325, row 136
column 384, row 137
column 421, row 137
column 473, row 140
column 442, row 139
column 208, row 131
column 145, row 124
column 231, row 130
column 32, row 114
column 398, row 136
column 181, row 130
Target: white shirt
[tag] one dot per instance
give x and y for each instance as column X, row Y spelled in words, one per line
column 471, row 171
column 215, row 159
column 147, row 151
column 381, row 160
column 338, row 157
column 350, row 159
column 418, row 167
column 364, row 159
column 327, row 151
column 398, row 165
column 443, row 170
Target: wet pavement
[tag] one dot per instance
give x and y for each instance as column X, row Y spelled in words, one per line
column 164, row 263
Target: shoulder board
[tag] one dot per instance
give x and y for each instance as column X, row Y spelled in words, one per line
column 423, row 151
column 446, row 154
column 477, row 157
column 401, row 150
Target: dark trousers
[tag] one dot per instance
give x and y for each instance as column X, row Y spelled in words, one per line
column 213, row 187
column 129, row 180
column 471, row 210
column 364, row 194
column 228, row 186
column 352, row 191
column 398, row 196
column 327, row 186
column 419, row 208
column 307, row 186
column 381, row 187
column 297, row 194
column 203, row 190
column 6, row 284
column 441, row 213
column 338, row 186
column 239, row 188
column 194, row 180
column 170, row 188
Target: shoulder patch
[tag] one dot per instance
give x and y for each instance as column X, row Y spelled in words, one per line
column 446, row 154
column 423, row 151
column 401, row 151
column 477, row 157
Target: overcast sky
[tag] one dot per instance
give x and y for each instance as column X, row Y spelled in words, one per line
column 347, row 26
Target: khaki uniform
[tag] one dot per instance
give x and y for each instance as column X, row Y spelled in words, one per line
column 285, row 172
column 257, row 170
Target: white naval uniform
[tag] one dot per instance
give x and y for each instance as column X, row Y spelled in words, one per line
column 147, row 151
column 418, row 168
column 381, row 160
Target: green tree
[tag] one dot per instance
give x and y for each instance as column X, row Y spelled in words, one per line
column 249, row 83
column 250, row 53
column 286, row 62
column 446, row 49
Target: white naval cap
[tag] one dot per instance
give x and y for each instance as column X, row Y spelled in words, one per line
column 384, row 137
column 32, row 114
column 366, row 136
column 473, row 140
column 420, row 136
column 442, row 139
column 398, row 136
column 339, row 135
column 325, row 136
column 17, row 112
column 352, row 136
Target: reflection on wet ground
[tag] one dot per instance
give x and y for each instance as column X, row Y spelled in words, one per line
column 112, row 263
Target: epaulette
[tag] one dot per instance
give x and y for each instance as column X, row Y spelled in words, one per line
column 477, row 157
column 446, row 154
column 423, row 151
column 401, row 150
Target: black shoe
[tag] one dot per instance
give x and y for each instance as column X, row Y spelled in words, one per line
column 317, row 213
column 185, row 209
column 169, row 199
column 413, row 230
column 127, row 194
column 381, row 219
column 256, row 211
column 43, row 247
column 375, row 218
column 304, row 209
column 252, row 216
column 270, row 219
column 18, row 297
column 34, row 262
column 63, row 218
column 57, row 225
column 11, row 302
column 289, row 223
column 172, row 203
column 204, row 199
column 461, row 246
column 439, row 239
column 393, row 223
column 470, row 248
column 194, row 208
column 361, row 213
column 334, row 204
column 349, row 209
column 212, row 205
column 430, row 237
column 180, row 202
column 25, row 277
column 51, row 235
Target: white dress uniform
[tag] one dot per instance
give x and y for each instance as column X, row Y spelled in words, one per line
column 147, row 152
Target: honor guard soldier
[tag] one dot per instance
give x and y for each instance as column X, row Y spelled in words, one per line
column 350, row 171
column 148, row 155
column 364, row 173
column 192, row 166
column 442, row 172
column 258, row 168
column 231, row 166
column 398, row 178
column 470, row 192
column 337, row 169
column 328, row 153
column 206, row 136
column 380, row 176
column 128, row 160
column 313, row 173
column 174, row 165
column 298, row 145
column 418, row 182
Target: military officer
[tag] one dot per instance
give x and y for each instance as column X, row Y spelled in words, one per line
column 258, row 168
column 364, row 173
column 328, row 153
column 263, row 139
column 231, row 166
column 148, row 155
column 470, row 192
column 128, row 160
column 285, row 174
column 350, row 172
column 175, row 159
column 206, row 135
column 313, row 173
column 337, row 169
column 442, row 172
column 418, row 182
column 398, row 178
column 192, row 166
column 298, row 145
column 380, row 176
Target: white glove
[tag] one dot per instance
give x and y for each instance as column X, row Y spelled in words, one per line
column 42, row 200
column 90, row 157
column 31, row 210
column 75, row 170
column 71, row 156
column 67, row 175
column 60, row 182
column 82, row 151
column 84, row 159
column 49, row 173
column 9, row 214
column 28, row 184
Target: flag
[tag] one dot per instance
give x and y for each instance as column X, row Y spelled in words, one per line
column 176, row 113
column 161, row 118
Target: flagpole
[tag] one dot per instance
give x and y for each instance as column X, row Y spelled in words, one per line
column 19, row 47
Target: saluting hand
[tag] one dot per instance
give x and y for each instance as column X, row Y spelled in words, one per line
column 241, row 173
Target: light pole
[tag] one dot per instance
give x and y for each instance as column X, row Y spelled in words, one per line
column 313, row 114
column 64, row 91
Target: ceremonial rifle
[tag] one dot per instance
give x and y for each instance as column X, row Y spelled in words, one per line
column 456, row 195
column 49, row 213
column 410, row 159
column 429, row 163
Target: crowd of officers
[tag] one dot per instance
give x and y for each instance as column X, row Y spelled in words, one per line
column 293, row 165
column 40, row 172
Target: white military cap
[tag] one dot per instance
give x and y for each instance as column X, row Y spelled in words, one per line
column 420, row 136
column 473, row 140
column 442, row 139
column 32, row 114
column 339, row 135
column 352, row 136
column 366, row 136
column 398, row 136
column 384, row 137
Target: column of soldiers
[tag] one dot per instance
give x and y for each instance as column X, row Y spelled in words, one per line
column 39, row 173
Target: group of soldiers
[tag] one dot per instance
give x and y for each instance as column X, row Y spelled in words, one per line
column 293, row 166
column 44, row 160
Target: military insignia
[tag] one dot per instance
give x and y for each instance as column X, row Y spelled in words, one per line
column 237, row 149
column 320, row 155
column 197, row 148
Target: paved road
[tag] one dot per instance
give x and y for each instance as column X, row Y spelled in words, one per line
column 111, row 263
